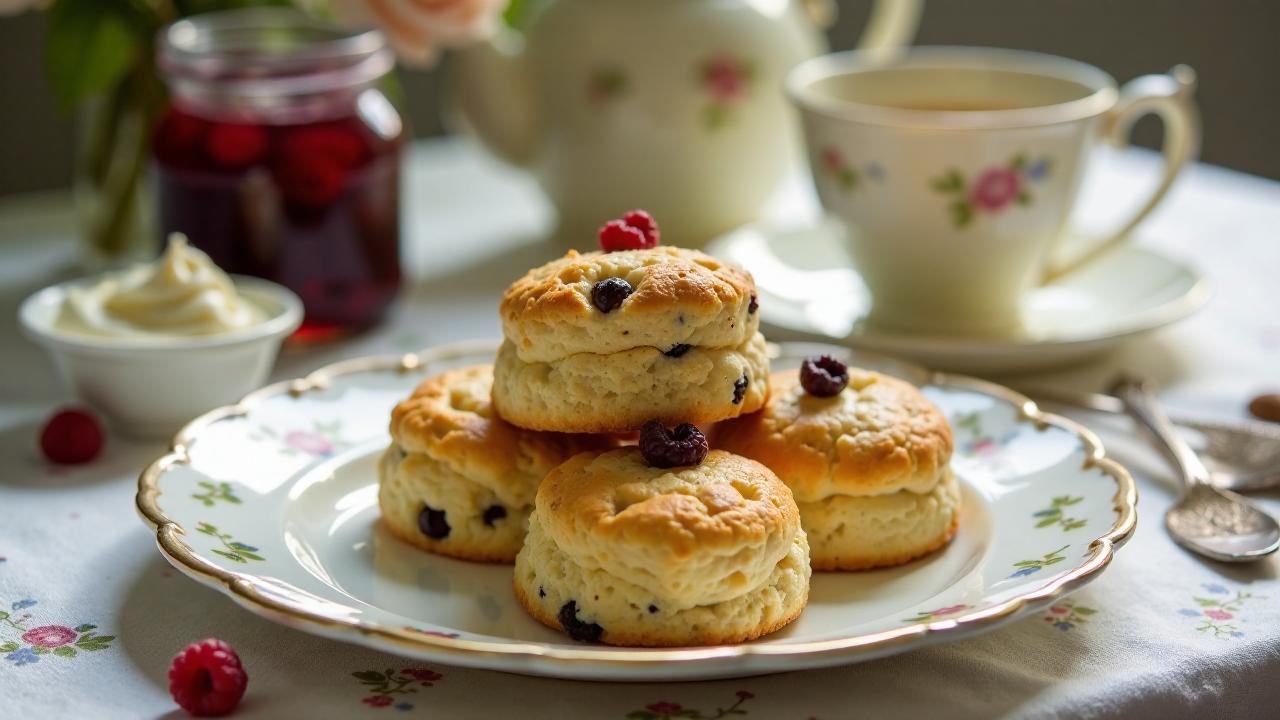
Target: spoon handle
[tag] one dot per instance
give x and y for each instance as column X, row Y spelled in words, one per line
column 1138, row 395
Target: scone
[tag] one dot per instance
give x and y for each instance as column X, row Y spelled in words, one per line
column 628, row 554
column 604, row 341
column 868, row 466
column 458, row 481
column 621, row 391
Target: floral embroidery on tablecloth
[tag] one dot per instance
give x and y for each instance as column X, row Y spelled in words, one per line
column 1028, row 567
column 941, row 612
column 665, row 710
column 1219, row 616
column 383, row 687
column 234, row 550
column 32, row 643
column 1066, row 615
column 1054, row 515
column 321, row 441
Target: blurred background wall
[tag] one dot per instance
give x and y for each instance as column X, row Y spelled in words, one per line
column 1232, row 44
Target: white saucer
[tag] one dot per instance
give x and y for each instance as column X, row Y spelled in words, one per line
column 808, row 290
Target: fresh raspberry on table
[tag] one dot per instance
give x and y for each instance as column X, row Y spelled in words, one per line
column 71, row 437
column 637, row 230
column 206, row 679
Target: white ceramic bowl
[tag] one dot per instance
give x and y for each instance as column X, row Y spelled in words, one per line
column 151, row 387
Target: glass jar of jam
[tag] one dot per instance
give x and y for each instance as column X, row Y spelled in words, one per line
column 279, row 156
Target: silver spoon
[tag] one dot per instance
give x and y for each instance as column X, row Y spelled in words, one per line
column 1217, row 524
column 1243, row 456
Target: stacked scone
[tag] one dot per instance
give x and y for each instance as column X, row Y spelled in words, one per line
column 605, row 341
column 667, row 542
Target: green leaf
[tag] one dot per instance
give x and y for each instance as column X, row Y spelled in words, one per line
column 1047, row 521
column 9, row 647
column 3, row 614
column 242, row 546
column 1023, row 199
column 951, row 182
column 251, row 556
column 1084, row 610
column 235, row 557
column 1067, row 500
column 715, row 116
column 85, row 628
column 39, row 650
column 65, row 651
column 961, row 213
column 206, row 528
column 1018, row 162
column 91, row 46
column 368, row 676
column 848, row 179
column 1052, row 560
column 99, row 642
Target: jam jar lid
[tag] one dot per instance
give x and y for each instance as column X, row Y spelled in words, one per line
column 267, row 59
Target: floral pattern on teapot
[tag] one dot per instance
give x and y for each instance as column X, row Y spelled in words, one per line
column 726, row 80
column 846, row 175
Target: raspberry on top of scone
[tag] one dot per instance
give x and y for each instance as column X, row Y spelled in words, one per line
column 632, row 294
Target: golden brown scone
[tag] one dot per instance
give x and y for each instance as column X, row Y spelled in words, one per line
column 679, row 297
column 620, row 392
column 627, row 554
column 459, row 481
column 869, row 467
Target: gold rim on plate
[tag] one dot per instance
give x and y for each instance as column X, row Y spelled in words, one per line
column 257, row 597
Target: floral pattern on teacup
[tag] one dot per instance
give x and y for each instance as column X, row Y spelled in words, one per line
column 994, row 190
column 725, row 80
column 847, row 176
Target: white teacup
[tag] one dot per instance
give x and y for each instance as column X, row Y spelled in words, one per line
column 955, row 171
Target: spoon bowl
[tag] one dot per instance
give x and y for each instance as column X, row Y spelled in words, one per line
column 1217, row 524
column 1221, row 525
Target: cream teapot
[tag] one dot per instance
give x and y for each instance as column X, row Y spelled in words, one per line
column 675, row 106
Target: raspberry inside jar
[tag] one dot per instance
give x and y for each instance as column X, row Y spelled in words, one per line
column 280, row 157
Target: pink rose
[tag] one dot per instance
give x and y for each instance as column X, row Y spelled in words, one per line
column 1215, row 614
column 723, row 78
column 308, row 442
column 422, row 674
column 832, row 160
column 745, row 694
column 378, row 701
column 949, row 610
column 1058, row 610
column 995, row 188
column 418, row 29
column 49, row 636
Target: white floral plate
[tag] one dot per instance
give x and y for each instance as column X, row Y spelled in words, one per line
column 274, row 502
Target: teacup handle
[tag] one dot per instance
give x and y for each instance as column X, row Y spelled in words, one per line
column 1171, row 97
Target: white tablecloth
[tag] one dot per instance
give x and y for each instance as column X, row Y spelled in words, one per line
column 1161, row 634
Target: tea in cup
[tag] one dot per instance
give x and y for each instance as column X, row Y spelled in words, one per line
column 955, row 170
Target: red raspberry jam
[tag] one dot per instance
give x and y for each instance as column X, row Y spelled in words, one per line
column 281, row 159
